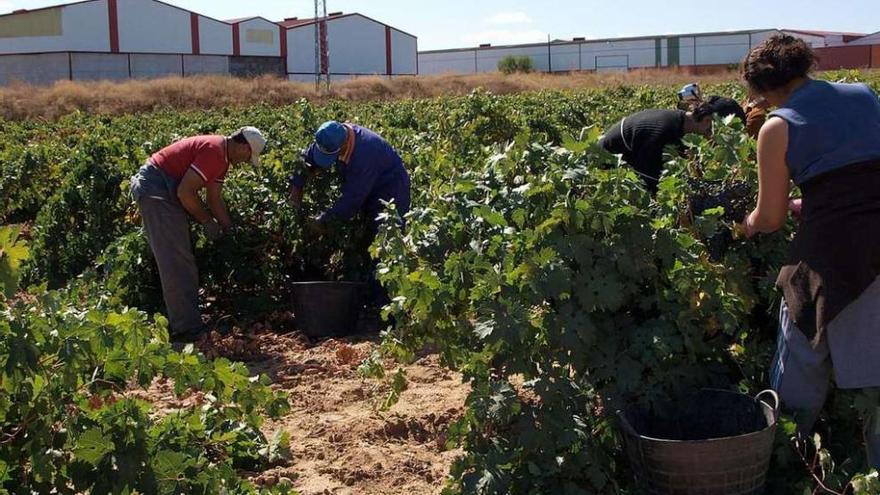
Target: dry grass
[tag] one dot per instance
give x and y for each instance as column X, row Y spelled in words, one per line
column 20, row 101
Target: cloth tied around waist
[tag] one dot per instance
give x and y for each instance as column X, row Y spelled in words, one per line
column 835, row 254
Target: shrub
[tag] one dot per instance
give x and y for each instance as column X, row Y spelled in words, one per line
column 512, row 64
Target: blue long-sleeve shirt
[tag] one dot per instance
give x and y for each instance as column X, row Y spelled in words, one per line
column 372, row 172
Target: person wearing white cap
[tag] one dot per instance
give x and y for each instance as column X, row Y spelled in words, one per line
column 166, row 190
column 753, row 111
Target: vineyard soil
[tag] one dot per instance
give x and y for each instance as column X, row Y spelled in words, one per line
column 342, row 443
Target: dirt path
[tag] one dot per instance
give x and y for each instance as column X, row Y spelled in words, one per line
column 340, row 442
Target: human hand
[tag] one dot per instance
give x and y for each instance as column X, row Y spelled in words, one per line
column 747, row 227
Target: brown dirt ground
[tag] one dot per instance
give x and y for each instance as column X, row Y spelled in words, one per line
column 341, row 443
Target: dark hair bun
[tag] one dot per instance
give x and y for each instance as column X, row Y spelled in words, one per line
column 776, row 62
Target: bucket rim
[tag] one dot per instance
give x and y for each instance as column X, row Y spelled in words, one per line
column 630, row 430
column 700, row 442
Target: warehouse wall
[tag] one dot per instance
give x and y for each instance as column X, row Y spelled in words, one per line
column 812, row 40
column 722, row 49
column 256, row 66
column 707, row 50
column 487, row 58
column 82, row 27
column 617, row 55
column 259, row 37
column 149, row 66
column 664, row 52
column 758, row 38
column 357, row 45
column 194, row 65
column 215, row 37
column 449, row 62
column 301, row 50
column 566, row 57
column 404, row 53
column 44, row 69
column 34, row 69
column 100, row 66
column 146, row 26
column 686, row 51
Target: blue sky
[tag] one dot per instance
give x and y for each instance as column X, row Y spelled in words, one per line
column 457, row 23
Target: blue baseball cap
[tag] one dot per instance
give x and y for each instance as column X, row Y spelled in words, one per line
column 329, row 140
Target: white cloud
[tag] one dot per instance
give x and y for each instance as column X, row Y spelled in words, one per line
column 510, row 18
column 6, row 6
column 504, row 37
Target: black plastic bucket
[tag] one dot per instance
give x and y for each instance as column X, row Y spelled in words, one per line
column 326, row 309
column 717, row 443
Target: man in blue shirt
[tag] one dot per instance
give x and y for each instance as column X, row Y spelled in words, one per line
column 371, row 170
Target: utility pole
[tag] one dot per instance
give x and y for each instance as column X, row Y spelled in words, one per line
column 317, row 52
column 322, row 49
column 549, row 56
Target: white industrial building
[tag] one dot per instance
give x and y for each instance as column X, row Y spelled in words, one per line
column 579, row 54
column 356, row 45
column 121, row 39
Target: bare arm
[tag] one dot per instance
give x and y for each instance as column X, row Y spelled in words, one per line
column 217, row 205
column 774, row 180
column 188, row 194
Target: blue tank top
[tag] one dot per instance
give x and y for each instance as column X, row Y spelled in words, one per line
column 830, row 126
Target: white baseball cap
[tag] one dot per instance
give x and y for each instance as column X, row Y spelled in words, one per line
column 690, row 92
column 257, row 142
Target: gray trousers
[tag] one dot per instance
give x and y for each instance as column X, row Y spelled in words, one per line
column 166, row 224
column 849, row 351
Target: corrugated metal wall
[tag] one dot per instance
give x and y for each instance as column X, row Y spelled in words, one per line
column 34, row 69
column 404, row 53
column 47, row 68
column 259, row 37
column 359, row 46
column 215, row 37
column 151, row 27
column 79, row 27
column 117, row 39
column 601, row 55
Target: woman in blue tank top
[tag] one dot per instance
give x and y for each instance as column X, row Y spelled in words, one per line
column 825, row 138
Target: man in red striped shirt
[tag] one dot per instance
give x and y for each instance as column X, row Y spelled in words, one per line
column 166, row 190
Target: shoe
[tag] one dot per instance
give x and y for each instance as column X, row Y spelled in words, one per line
column 189, row 337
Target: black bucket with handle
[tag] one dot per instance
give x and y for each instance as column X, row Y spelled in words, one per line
column 327, row 309
column 717, row 443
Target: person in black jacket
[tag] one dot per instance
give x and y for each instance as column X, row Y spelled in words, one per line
column 642, row 137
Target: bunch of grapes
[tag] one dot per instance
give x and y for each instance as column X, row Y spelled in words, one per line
column 736, row 198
